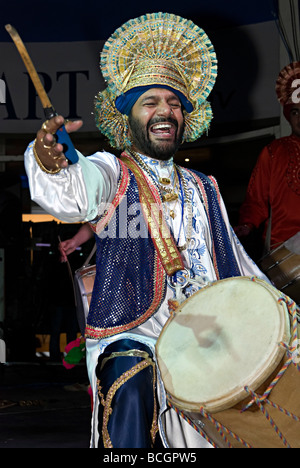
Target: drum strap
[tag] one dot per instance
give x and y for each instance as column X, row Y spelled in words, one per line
column 88, row 259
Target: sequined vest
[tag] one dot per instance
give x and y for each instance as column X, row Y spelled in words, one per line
column 130, row 283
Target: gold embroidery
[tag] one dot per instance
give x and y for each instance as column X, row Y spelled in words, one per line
column 106, row 403
column 161, row 236
column 130, row 352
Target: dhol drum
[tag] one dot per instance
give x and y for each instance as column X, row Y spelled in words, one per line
column 84, row 279
column 282, row 267
column 228, row 358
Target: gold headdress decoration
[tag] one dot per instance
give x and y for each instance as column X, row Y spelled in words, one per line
column 286, row 86
column 156, row 49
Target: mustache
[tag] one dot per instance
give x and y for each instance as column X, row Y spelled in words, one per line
column 156, row 120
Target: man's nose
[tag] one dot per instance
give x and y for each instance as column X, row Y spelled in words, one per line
column 164, row 109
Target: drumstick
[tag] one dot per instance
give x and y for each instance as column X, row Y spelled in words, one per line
column 30, row 68
column 49, row 111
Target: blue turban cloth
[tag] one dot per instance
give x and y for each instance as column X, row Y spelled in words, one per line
column 126, row 101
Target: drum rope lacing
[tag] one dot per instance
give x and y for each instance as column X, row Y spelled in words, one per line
column 220, row 428
column 259, row 400
column 291, row 351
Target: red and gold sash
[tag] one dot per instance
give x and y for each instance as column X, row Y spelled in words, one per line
column 153, row 212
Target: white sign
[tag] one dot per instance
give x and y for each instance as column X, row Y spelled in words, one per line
column 71, row 77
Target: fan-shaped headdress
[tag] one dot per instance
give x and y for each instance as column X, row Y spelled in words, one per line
column 156, row 50
column 287, row 85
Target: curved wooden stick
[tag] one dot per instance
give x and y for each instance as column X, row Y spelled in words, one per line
column 29, row 65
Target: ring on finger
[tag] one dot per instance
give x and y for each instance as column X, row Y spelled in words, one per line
column 44, row 126
column 63, row 158
column 49, row 146
column 41, row 140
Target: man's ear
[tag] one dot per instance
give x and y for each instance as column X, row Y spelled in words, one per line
column 128, row 134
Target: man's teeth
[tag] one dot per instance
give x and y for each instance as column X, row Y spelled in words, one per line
column 161, row 126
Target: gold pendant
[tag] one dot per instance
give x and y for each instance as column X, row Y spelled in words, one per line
column 164, row 180
column 168, row 197
column 172, row 214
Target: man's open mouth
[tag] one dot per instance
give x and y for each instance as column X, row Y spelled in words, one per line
column 163, row 128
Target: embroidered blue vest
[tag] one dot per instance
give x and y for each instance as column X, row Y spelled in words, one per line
column 130, row 283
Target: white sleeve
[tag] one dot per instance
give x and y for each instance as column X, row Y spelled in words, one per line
column 78, row 193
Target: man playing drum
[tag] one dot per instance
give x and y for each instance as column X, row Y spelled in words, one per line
column 275, row 181
column 162, row 232
column 273, row 194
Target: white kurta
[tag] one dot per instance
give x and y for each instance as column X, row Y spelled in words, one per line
column 81, row 193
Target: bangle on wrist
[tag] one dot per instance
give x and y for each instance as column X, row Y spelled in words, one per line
column 41, row 165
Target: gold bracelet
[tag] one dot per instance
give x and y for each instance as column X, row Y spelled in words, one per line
column 41, row 165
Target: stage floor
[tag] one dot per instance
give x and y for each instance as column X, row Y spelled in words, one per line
column 44, row 405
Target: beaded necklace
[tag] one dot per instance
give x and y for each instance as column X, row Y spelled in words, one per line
column 188, row 203
column 181, row 185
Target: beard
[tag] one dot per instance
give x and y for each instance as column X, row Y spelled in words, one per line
column 163, row 150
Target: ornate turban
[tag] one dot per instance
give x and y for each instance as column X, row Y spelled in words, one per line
column 156, row 50
column 286, row 86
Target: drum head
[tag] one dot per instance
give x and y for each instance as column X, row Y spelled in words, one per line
column 223, row 338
